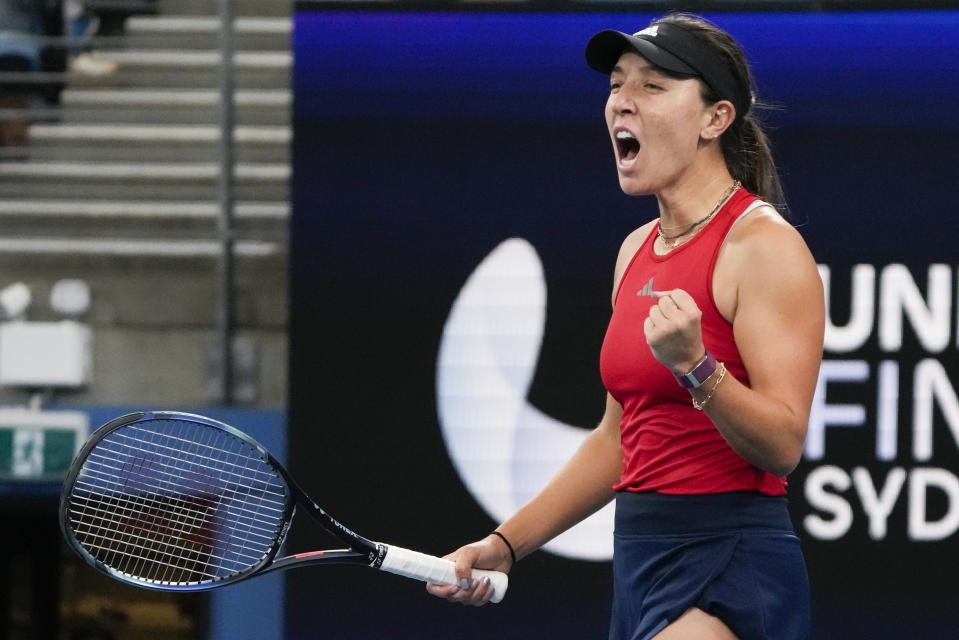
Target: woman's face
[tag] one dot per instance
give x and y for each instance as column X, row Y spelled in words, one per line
column 654, row 123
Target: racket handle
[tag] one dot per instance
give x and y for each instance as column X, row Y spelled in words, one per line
column 420, row 566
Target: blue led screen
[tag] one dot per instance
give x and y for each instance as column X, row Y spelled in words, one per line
column 437, row 152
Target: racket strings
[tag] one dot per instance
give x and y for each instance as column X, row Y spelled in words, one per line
column 239, row 509
column 166, row 562
column 147, row 517
column 183, row 449
column 189, row 483
column 154, row 559
column 159, row 525
column 159, row 511
column 139, row 515
column 177, row 502
column 152, row 513
column 199, row 483
column 119, row 534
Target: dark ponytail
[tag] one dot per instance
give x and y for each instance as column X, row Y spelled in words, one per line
column 750, row 160
column 744, row 145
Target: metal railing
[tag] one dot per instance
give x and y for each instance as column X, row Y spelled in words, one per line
column 225, row 226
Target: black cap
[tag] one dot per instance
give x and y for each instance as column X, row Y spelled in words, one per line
column 672, row 48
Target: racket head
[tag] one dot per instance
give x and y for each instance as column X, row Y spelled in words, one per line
column 175, row 501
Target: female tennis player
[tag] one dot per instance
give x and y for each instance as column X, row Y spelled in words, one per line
column 710, row 361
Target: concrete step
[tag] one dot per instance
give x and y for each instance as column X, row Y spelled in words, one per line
column 263, row 221
column 175, row 98
column 147, row 211
column 175, row 115
column 168, row 68
column 157, row 152
column 140, row 181
column 145, row 171
column 134, row 191
column 240, row 7
column 173, row 106
column 172, row 134
column 199, row 32
column 162, row 59
column 136, row 249
column 161, row 143
column 170, row 79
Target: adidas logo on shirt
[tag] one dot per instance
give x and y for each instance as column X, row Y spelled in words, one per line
column 647, row 289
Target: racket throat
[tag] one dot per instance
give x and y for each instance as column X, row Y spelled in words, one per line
column 377, row 555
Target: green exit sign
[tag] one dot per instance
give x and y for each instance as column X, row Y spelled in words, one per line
column 36, row 445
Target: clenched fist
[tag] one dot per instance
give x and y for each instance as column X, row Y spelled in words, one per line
column 673, row 330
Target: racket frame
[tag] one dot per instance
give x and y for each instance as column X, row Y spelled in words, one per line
column 360, row 551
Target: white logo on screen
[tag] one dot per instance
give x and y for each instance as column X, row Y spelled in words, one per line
column 504, row 449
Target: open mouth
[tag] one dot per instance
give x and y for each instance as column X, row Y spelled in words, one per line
column 627, row 146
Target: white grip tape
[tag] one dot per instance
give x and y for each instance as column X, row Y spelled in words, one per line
column 420, row 566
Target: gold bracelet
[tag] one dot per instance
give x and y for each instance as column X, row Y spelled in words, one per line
column 702, row 405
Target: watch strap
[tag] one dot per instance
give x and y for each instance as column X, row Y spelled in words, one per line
column 699, row 374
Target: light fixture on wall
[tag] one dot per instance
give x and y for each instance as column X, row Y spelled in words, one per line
column 15, row 299
column 70, row 297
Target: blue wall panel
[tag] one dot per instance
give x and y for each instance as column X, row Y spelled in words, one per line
column 424, row 140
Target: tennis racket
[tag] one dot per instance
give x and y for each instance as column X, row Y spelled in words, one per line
column 180, row 502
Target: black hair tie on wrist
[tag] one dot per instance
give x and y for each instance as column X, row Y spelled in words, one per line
column 512, row 554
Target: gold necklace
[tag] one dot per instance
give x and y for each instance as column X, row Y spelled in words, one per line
column 671, row 241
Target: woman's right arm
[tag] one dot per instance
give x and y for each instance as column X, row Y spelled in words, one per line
column 582, row 487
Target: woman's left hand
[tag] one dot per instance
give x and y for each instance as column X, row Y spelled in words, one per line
column 673, row 330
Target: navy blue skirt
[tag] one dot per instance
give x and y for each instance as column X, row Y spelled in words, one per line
column 733, row 555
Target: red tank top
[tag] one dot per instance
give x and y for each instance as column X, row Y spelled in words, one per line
column 668, row 445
